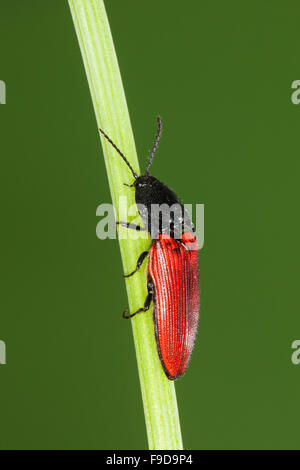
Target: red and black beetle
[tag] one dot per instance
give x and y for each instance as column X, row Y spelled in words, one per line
column 173, row 278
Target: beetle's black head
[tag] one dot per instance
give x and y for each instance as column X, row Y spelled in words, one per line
column 159, row 207
column 148, row 190
column 144, row 181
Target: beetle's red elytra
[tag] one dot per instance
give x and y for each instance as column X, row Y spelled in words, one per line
column 173, row 270
column 173, row 273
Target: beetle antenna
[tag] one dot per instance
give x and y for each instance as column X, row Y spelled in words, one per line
column 155, row 145
column 119, row 152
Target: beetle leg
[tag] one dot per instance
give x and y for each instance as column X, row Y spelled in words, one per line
column 147, row 303
column 138, row 264
column 140, row 310
column 132, row 226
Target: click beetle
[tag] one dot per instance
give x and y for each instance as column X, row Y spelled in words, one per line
column 172, row 275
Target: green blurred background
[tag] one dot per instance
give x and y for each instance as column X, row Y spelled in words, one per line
column 220, row 75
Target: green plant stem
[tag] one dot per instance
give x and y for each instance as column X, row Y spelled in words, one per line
column 99, row 57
